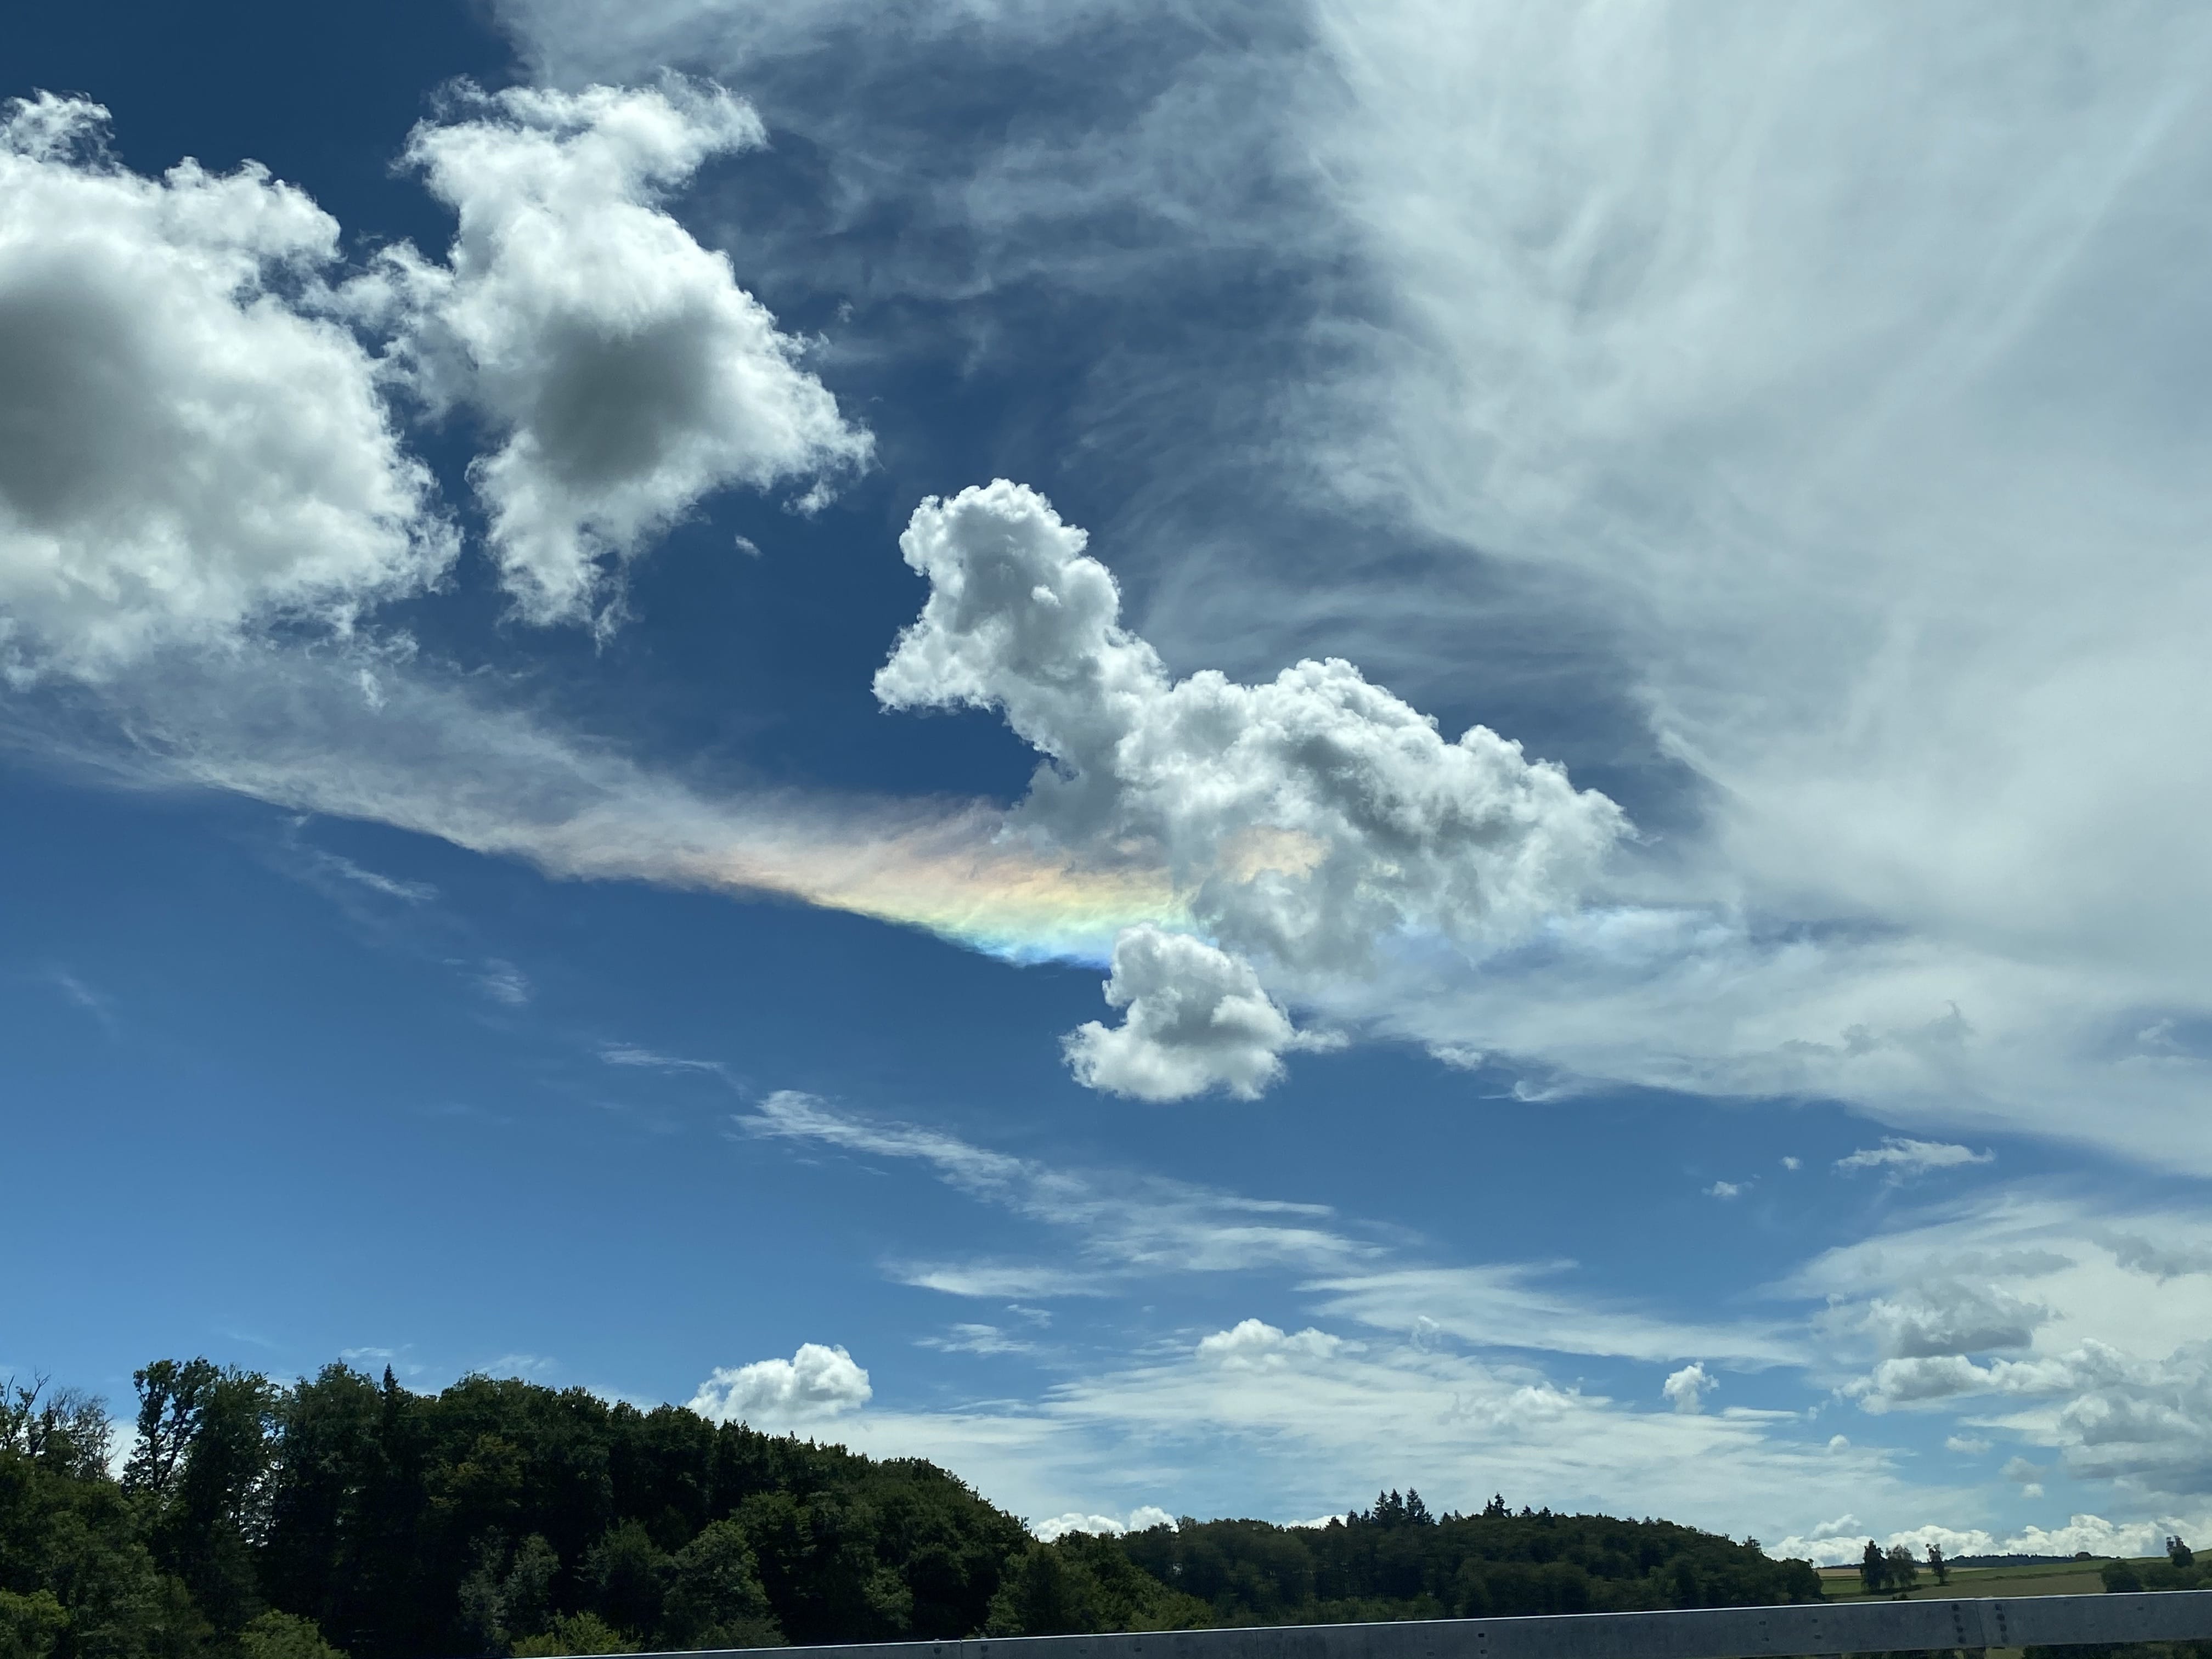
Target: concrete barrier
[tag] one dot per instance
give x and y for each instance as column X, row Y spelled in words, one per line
column 1814, row 1627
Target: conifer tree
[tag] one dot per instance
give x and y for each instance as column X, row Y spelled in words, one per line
column 1873, row 1569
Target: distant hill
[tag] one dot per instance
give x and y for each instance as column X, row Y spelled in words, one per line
column 2018, row 1560
column 1396, row 1561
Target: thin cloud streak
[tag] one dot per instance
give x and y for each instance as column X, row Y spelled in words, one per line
column 1125, row 1225
column 369, row 736
column 1512, row 1306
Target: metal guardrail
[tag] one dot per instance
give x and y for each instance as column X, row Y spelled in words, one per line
column 1779, row 1632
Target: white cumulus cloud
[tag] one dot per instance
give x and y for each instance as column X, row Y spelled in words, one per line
column 627, row 373
column 815, row 1382
column 187, row 446
column 1194, row 1018
column 1254, row 1345
column 1144, row 1517
column 1306, row 819
column 1687, row 1387
column 1302, row 821
column 2094, row 1534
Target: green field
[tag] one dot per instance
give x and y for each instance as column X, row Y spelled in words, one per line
column 2047, row 1578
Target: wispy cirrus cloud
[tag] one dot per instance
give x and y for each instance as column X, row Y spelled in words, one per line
column 1123, row 1228
column 629, row 1054
column 94, row 1001
column 982, row 1341
column 1122, row 1224
column 1544, row 1307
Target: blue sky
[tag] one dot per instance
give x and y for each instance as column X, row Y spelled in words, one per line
column 560, row 822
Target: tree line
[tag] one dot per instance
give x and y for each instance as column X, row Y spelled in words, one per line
column 1895, row 1570
column 1396, row 1560
column 346, row 1516
column 2179, row 1570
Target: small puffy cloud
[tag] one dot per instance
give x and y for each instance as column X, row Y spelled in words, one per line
column 1098, row 1526
column 1727, row 1189
column 1840, row 1442
column 1788, row 1162
column 1254, row 1345
column 815, row 1382
column 1903, row 1158
column 627, row 373
column 1140, row 1519
column 1966, row 1445
column 187, row 447
column 1194, row 1018
column 1687, row 1387
column 1303, row 820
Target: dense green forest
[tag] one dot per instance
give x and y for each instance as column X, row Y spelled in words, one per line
column 347, row 1516
column 1395, row 1561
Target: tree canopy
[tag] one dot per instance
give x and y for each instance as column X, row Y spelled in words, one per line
column 1396, row 1560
